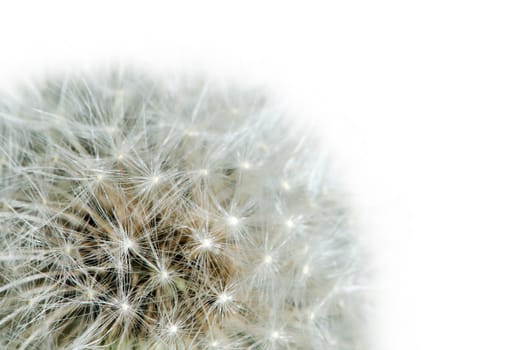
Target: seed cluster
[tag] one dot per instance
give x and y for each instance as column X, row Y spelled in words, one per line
column 140, row 212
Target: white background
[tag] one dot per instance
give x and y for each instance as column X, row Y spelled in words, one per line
column 423, row 102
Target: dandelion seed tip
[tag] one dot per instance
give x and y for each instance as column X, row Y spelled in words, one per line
column 90, row 293
column 68, row 248
column 155, row 179
column 124, row 306
column 306, row 269
column 232, row 220
column 263, row 146
column 206, row 243
column 245, row 165
column 275, row 335
column 164, row 275
column 268, row 259
column 128, row 243
column 224, row 298
column 191, row 133
column 289, row 223
column 285, row 185
column 173, row 329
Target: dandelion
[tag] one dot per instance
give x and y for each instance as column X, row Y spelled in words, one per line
column 141, row 212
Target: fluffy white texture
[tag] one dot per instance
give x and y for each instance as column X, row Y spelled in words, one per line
column 157, row 213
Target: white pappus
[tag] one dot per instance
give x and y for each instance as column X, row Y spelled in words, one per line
column 147, row 212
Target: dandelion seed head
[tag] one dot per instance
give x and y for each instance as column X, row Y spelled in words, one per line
column 141, row 211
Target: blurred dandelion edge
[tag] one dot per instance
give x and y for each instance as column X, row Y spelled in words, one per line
column 148, row 212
